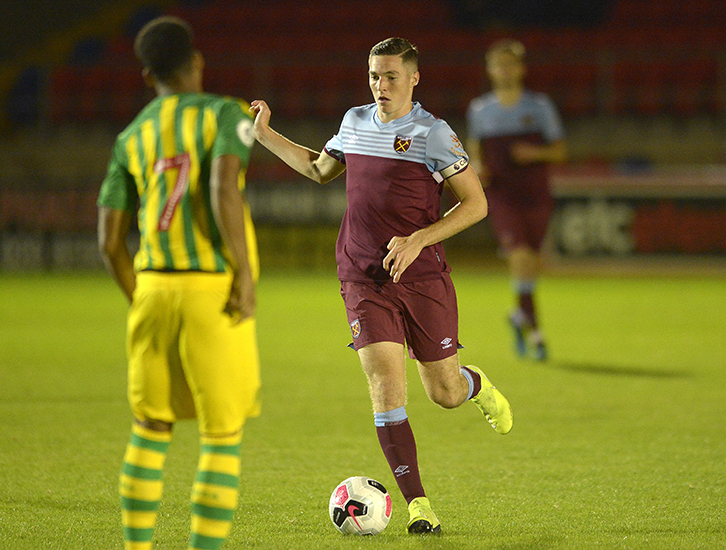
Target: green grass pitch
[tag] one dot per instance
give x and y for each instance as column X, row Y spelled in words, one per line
column 619, row 441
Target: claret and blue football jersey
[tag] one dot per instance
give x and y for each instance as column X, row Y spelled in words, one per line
column 532, row 119
column 395, row 174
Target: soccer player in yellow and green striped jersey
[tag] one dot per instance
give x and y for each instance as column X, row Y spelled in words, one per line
column 191, row 342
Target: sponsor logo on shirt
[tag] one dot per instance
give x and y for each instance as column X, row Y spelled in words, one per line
column 402, row 144
column 458, row 148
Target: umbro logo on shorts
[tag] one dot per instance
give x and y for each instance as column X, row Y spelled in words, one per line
column 446, row 343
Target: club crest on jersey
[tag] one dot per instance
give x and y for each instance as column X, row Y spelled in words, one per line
column 402, row 144
column 355, row 328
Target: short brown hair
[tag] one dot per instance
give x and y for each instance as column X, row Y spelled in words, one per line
column 165, row 46
column 397, row 46
column 507, row 45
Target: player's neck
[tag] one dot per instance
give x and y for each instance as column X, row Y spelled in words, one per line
column 385, row 118
column 187, row 83
column 164, row 89
column 509, row 96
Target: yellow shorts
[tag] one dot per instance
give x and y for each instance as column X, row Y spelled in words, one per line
column 186, row 358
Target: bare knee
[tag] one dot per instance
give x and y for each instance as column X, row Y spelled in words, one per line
column 444, row 382
column 444, row 397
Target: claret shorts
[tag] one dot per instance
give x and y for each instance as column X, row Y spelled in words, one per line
column 421, row 314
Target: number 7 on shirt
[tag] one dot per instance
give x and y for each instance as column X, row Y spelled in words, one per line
column 182, row 162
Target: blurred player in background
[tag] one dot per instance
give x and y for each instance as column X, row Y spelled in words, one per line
column 513, row 134
column 191, row 340
column 394, row 277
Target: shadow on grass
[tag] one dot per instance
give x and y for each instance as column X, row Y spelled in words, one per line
column 614, row 370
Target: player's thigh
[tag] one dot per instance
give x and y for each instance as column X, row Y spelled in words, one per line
column 431, row 318
column 508, row 223
column 221, row 362
column 537, row 219
column 384, row 364
column 157, row 388
column 372, row 316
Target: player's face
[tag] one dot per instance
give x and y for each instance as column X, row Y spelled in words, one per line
column 392, row 82
column 505, row 70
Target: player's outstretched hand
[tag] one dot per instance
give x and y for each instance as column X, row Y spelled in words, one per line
column 402, row 253
column 262, row 115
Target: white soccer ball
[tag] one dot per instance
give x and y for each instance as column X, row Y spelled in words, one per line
column 360, row 505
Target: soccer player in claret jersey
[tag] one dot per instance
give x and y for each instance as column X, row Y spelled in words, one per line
column 513, row 135
column 394, row 276
column 191, row 340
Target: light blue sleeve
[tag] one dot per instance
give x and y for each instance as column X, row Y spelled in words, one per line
column 334, row 146
column 552, row 124
column 443, row 148
column 474, row 125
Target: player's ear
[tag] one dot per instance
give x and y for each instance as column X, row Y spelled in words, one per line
column 415, row 77
column 148, row 77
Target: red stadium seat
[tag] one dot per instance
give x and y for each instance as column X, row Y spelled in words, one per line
column 128, row 94
column 581, row 80
column 325, row 91
column 62, row 91
column 445, row 90
column 639, row 87
column 694, row 86
column 234, row 80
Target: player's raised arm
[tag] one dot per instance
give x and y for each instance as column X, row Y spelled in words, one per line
column 319, row 167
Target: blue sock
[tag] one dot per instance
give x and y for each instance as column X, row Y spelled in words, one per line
column 470, row 379
column 394, row 416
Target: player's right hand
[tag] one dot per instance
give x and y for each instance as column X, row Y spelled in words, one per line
column 262, row 115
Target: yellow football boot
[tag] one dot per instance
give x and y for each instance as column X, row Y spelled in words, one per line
column 423, row 520
column 493, row 404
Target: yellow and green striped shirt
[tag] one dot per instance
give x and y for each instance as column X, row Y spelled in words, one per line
column 161, row 165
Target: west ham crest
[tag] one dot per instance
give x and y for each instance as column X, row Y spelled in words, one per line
column 355, row 328
column 402, row 144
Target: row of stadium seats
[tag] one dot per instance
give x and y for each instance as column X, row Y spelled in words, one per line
column 578, row 88
column 311, row 62
column 674, row 13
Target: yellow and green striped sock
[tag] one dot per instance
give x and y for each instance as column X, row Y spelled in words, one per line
column 215, row 491
column 141, row 485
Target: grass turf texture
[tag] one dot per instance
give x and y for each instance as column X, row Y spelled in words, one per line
column 619, row 440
